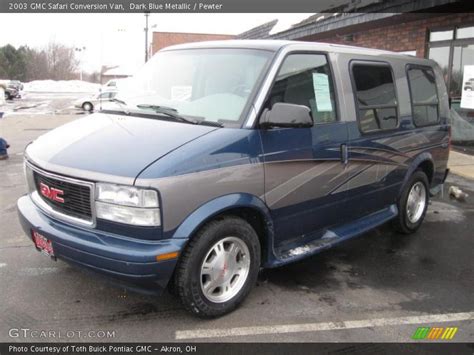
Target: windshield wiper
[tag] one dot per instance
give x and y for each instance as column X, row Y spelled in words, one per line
column 169, row 111
column 210, row 123
column 122, row 104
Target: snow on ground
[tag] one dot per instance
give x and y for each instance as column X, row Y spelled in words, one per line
column 42, row 103
column 48, row 97
column 63, row 86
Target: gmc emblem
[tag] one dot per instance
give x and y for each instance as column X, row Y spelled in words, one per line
column 51, row 193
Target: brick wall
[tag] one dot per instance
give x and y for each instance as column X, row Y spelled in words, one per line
column 165, row 39
column 406, row 35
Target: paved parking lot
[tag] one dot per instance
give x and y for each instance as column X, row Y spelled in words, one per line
column 379, row 287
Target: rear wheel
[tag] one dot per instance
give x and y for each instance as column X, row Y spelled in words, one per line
column 219, row 267
column 413, row 203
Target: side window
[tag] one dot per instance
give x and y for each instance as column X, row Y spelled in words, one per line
column 424, row 96
column 107, row 95
column 305, row 79
column 375, row 97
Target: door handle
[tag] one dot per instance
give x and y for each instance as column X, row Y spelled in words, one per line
column 344, row 154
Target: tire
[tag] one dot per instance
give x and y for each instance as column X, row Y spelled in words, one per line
column 192, row 275
column 87, row 106
column 411, row 214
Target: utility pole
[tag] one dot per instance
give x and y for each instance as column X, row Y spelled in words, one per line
column 147, row 14
column 81, row 51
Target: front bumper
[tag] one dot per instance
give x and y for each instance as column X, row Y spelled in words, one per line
column 129, row 261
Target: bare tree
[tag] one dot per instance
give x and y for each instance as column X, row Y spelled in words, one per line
column 62, row 63
column 56, row 62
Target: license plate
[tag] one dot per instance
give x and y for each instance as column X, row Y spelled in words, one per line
column 43, row 244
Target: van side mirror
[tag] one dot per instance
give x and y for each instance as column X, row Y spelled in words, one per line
column 287, row 115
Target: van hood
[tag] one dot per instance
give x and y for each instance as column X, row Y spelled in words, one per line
column 113, row 148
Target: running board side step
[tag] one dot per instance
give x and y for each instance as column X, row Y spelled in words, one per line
column 334, row 236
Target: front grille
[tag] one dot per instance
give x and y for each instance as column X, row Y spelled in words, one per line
column 77, row 198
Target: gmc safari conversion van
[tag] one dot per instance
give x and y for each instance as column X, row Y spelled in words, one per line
column 226, row 157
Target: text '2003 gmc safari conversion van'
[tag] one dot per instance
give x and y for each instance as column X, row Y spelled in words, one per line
column 224, row 157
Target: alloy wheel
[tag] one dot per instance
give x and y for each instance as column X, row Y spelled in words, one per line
column 225, row 269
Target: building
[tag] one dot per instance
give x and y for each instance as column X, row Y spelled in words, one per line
column 117, row 72
column 442, row 30
column 165, row 39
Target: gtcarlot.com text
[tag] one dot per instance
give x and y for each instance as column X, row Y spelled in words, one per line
column 27, row 333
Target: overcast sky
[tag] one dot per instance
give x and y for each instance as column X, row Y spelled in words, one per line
column 119, row 39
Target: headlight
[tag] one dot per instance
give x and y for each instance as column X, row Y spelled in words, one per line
column 127, row 204
column 126, row 195
column 30, row 181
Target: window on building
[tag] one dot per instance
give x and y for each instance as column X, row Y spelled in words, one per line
column 305, row 79
column 424, row 96
column 463, row 55
column 441, row 56
column 445, row 35
column 465, row 32
column 375, row 97
column 453, row 49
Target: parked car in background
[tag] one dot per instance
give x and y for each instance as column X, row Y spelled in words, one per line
column 11, row 93
column 90, row 103
column 231, row 156
column 3, row 87
column 10, row 90
column 16, row 84
column 115, row 84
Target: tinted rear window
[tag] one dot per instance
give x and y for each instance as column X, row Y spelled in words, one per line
column 424, row 96
column 375, row 97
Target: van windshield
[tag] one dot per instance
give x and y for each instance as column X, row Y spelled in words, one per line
column 211, row 85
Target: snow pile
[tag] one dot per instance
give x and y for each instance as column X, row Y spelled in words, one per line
column 61, row 86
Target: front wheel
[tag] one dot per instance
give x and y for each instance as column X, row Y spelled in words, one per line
column 219, row 267
column 413, row 203
column 87, row 106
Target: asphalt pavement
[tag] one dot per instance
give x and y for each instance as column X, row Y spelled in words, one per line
column 379, row 287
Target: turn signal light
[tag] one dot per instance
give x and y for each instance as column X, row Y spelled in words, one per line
column 167, row 256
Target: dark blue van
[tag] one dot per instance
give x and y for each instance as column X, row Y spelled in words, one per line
column 220, row 158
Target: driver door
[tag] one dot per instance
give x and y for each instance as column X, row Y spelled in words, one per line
column 304, row 166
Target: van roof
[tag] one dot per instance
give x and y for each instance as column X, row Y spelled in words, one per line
column 275, row 45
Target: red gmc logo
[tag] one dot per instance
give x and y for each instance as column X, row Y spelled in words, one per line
column 51, row 193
